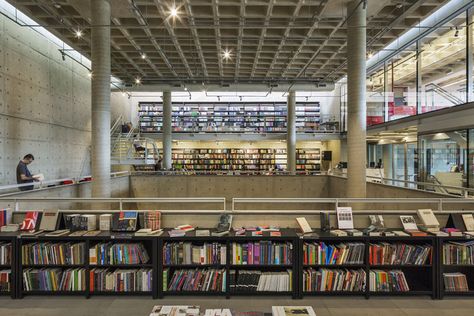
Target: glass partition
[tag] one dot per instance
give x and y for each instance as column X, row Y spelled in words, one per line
column 375, row 98
column 443, row 159
column 443, row 66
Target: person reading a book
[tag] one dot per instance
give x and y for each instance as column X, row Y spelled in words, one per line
column 23, row 175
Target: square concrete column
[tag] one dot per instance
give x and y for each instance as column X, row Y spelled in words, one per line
column 100, row 97
column 356, row 100
column 291, row 133
column 167, row 136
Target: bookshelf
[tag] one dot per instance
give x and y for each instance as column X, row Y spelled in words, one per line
column 455, row 265
column 231, row 269
column 8, row 264
column 421, row 278
column 239, row 159
column 118, row 270
column 229, row 117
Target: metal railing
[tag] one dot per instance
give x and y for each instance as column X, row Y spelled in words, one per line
column 422, row 186
column 336, row 202
column 219, row 202
column 13, row 188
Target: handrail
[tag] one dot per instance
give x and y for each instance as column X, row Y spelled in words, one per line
column 226, row 173
column 43, row 184
column 465, row 191
column 116, row 124
column 338, row 201
column 196, row 200
column 444, row 93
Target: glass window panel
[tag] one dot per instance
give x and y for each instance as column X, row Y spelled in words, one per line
column 443, row 66
column 375, row 98
column 402, row 88
column 443, row 159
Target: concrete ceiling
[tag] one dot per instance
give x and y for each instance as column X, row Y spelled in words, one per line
column 271, row 41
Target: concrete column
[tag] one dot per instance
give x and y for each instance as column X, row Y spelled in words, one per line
column 100, row 57
column 386, row 87
column 470, row 55
column 167, row 140
column 356, row 100
column 387, row 161
column 291, row 133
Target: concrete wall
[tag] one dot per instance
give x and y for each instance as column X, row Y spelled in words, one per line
column 44, row 106
column 120, row 188
column 120, row 105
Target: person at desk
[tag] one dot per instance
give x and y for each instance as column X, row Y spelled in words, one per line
column 23, row 174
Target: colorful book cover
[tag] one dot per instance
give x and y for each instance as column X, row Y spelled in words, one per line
column 29, row 223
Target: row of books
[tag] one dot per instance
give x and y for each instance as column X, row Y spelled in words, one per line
column 118, row 253
column 53, row 253
column 258, row 281
column 120, row 280
column 198, row 280
column 324, row 280
column 397, row 254
column 188, row 253
column 388, row 281
column 5, row 253
column 54, row 279
column 262, row 252
column 458, row 253
column 455, row 282
column 5, row 280
column 343, row 253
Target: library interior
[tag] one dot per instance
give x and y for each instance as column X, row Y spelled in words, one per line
column 236, row 157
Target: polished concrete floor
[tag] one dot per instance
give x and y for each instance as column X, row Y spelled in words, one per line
column 334, row 306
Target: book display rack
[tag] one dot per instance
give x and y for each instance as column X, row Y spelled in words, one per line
column 241, row 117
column 286, row 263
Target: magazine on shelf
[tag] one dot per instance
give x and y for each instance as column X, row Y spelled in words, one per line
column 49, row 220
column 30, row 221
column 304, row 225
column 428, row 219
column 175, row 310
column 408, row 222
column 468, row 222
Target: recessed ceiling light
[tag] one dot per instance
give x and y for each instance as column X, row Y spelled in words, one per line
column 78, row 33
column 137, row 80
column 226, row 54
column 143, row 55
column 174, row 12
column 57, row 5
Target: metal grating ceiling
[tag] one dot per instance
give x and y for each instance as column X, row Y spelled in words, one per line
column 269, row 41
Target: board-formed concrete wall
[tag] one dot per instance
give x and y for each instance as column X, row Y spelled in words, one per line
column 44, row 106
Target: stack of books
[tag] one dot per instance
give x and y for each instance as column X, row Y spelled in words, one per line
column 262, row 252
column 205, row 280
column 388, row 281
column 5, row 280
column 396, row 254
column 324, row 280
column 458, row 253
column 455, row 282
column 258, row 281
column 45, row 253
column 344, row 253
column 120, row 280
column 187, row 253
column 152, row 220
column 5, row 253
column 116, row 253
column 54, row 279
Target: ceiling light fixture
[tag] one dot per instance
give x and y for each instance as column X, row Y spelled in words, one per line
column 226, row 54
column 143, row 55
column 78, row 33
column 137, row 81
column 174, row 12
column 370, row 55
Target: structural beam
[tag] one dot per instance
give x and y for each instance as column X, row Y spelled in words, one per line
column 291, row 133
column 100, row 100
column 356, row 99
column 167, row 138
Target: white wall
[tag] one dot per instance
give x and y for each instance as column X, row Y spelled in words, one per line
column 44, row 106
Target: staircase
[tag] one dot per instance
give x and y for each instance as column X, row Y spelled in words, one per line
column 436, row 89
column 132, row 149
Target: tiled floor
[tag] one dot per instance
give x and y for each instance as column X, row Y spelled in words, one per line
column 333, row 306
